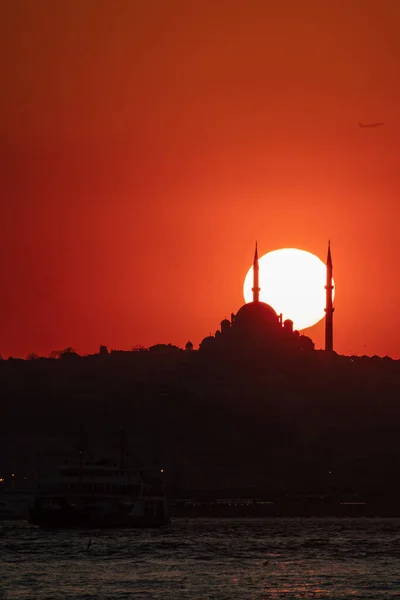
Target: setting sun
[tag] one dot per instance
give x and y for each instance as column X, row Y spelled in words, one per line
column 292, row 281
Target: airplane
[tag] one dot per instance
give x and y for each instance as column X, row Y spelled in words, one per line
column 371, row 124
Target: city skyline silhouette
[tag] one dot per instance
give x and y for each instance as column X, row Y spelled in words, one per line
column 199, row 324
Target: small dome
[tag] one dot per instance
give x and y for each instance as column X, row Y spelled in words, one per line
column 306, row 343
column 207, row 343
column 225, row 326
column 288, row 325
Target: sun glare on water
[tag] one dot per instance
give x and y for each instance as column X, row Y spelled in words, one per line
column 293, row 282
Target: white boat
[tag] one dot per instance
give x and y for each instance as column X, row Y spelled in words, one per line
column 102, row 493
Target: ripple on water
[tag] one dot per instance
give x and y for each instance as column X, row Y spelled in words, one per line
column 205, row 558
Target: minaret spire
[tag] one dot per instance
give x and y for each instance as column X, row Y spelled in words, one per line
column 256, row 268
column 329, row 303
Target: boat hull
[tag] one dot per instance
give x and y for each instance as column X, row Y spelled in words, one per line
column 64, row 515
column 76, row 519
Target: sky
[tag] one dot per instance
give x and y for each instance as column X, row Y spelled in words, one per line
column 145, row 146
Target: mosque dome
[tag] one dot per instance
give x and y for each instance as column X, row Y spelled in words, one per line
column 256, row 315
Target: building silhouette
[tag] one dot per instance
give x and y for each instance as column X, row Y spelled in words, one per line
column 257, row 326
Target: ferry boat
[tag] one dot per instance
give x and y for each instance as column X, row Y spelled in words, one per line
column 101, row 493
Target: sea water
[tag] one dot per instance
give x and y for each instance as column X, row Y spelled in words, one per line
column 205, row 559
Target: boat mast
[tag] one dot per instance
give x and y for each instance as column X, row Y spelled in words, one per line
column 80, row 449
column 122, row 448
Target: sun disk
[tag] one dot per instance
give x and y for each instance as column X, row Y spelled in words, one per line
column 292, row 281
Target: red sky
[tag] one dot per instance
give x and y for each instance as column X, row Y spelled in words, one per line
column 145, row 145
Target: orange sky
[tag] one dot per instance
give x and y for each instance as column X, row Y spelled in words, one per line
column 145, row 145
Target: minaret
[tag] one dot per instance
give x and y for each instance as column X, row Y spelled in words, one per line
column 329, row 303
column 256, row 268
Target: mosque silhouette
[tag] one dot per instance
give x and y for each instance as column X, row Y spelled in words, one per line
column 257, row 326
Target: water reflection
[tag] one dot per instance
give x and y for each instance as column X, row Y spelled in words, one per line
column 201, row 559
